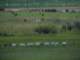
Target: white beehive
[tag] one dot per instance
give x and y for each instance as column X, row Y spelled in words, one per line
column 13, row 44
column 52, row 43
column 64, row 43
column 22, row 44
column 37, row 43
column 30, row 44
column 46, row 43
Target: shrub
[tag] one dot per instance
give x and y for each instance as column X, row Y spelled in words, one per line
column 70, row 27
column 14, row 13
column 6, row 34
column 77, row 25
column 25, row 20
column 3, row 34
column 46, row 29
column 67, row 27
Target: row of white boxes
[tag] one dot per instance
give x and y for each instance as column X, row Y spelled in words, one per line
column 30, row 44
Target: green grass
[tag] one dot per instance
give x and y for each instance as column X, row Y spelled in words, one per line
column 41, row 53
column 23, row 32
column 64, row 16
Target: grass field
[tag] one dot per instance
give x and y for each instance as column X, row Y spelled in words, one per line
column 23, row 31
column 41, row 53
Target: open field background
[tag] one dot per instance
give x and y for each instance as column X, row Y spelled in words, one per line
column 20, row 29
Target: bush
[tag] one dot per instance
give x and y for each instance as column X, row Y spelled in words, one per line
column 14, row 13
column 3, row 34
column 6, row 34
column 68, row 27
column 77, row 25
column 25, row 20
column 46, row 29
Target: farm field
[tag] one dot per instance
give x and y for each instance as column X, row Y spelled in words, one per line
column 20, row 27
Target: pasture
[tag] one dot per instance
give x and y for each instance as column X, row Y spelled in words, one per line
column 41, row 53
column 20, row 28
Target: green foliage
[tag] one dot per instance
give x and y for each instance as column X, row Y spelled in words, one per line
column 67, row 27
column 24, row 31
column 46, row 29
column 77, row 25
column 6, row 34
